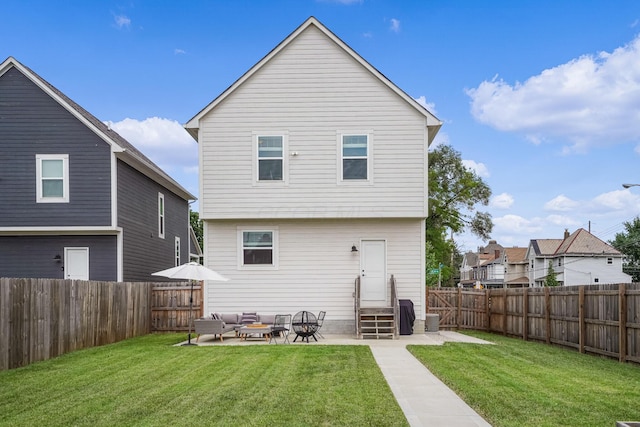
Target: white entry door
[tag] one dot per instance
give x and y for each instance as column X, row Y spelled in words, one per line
column 373, row 274
column 76, row 263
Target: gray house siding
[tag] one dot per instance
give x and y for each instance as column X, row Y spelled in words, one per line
column 143, row 250
column 33, row 256
column 31, row 122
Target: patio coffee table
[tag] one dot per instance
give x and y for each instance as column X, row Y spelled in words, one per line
column 265, row 330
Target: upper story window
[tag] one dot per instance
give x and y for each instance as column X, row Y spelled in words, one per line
column 161, row 218
column 52, row 178
column 355, row 157
column 258, row 248
column 609, row 260
column 177, row 251
column 270, row 158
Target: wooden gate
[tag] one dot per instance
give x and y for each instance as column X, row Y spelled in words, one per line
column 170, row 306
column 459, row 308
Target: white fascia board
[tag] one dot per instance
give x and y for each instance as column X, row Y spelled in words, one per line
column 60, row 231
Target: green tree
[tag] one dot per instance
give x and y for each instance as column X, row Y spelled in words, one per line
column 628, row 242
column 196, row 224
column 551, row 279
column 454, row 193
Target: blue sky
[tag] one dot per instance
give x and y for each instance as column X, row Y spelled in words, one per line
column 541, row 98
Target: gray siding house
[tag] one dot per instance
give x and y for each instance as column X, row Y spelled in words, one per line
column 77, row 201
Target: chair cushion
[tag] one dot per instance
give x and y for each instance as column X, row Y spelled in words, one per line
column 248, row 318
column 216, row 316
column 268, row 319
column 230, row 318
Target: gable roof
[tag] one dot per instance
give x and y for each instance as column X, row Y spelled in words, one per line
column 515, row 255
column 581, row 242
column 123, row 149
column 432, row 122
column 545, row 247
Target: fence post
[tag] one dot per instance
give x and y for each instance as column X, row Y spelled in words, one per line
column 525, row 314
column 582, row 325
column 622, row 321
column 505, row 301
column 459, row 314
column 487, row 305
column 547, row 314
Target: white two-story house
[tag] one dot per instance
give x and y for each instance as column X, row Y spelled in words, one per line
column 578, row 259
column 313, row 172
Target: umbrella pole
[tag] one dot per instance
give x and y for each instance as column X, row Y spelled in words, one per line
column 190, row 314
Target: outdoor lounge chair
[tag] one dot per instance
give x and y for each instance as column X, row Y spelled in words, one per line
column 281, row 327
column 320, row 322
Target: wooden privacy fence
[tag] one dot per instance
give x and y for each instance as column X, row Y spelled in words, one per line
column 599, row 319
column 45, row 318
column 170, row 306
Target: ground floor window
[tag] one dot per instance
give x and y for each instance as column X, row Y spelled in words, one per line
column 258, row 248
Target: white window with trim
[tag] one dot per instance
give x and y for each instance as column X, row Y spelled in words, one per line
column 161, row 219
column 271, row 160
column 52, row 178
column 177, row 251
column 355, row 157
column 257, row 248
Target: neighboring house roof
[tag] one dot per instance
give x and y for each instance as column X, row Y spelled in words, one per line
column 515, row 255
column 581, row 242
column 545, row 247
column 432, row 122
column 124, row 150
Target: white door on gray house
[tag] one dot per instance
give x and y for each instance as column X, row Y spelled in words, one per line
column 373, row 273
column 76, row 263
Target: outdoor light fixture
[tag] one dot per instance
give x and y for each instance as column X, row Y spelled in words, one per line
column 630, row 185
column 57, row 258
column 354, row 249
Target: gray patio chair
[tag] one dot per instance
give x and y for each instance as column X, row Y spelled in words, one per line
column 281, row 327
column 320, row 322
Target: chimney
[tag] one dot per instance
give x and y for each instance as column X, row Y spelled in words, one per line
column 566, row 233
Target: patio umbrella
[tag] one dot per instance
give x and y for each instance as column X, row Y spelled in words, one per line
column 191, row 271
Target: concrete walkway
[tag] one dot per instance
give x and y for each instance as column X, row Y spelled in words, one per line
column 424, row 399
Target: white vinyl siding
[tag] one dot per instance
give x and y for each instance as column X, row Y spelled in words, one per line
column 313, row 90
column 52, row 178
column 316, row 268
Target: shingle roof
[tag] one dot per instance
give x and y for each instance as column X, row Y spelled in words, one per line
column 125, row 150
column 582, row 242
column 515, row 255
column 545, row 247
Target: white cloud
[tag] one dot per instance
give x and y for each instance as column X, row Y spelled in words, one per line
column 518, row 225
column 122, row 21
column 395, row 25
column 501, row 201
column 164, row 141
column 422, row 100
column 179, row 51
column 479, row 168
column 561, row 203
column 592, row 100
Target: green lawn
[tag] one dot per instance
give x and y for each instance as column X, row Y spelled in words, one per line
column 519, row 383
column 147, row 381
